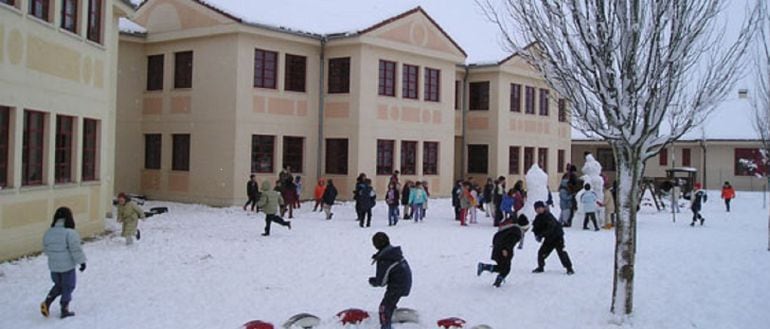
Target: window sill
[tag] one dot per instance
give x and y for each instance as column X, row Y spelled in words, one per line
column 8, row 190
column 42, row 22
column 95, row 44
column 71, row 34
column 179, row 171
column 91, row 183
column 153, row 92
column 34, row 188
column 60, row 186
column 266, row 88
column 176, row 89
column 296, row 91
column 13, row 9
column 411, row 99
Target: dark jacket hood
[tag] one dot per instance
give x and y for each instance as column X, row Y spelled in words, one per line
column 390, row 253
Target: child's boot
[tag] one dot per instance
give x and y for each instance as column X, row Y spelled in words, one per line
column 498, row 281
column 65, row 311
column 45, row 306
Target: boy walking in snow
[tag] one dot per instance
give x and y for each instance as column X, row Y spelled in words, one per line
column 393, row 272
column 418, row 198
column 318, row 193
column 330, row 194
column 728, row 193
column 269, row 202
column 698, row 199
column 589, row 201
column 392, row 198
column 508, row 234
column 252, row 192
column 548, row 230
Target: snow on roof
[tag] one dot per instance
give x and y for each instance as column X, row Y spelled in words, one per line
column 128, row 26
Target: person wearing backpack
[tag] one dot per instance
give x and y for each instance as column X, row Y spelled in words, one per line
column 330, row 194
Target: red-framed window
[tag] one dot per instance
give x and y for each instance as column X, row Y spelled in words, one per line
column 562, row 110
column 155, row 72
column 560, row 161
column 183, row 69
column 5, row 137
column 542, row 158
column 65, row 133
column 686, row 157
column 33, row 148
column 748, row 162
column 293, row 153
column 180, row 155
column 430, row 157
column 386, row 84
column 515, row 97
column 478, row 159
column 153, row 144
column 410, row 81
column 337, row 156
column 95, row 20
column 295, row 75
column 529, row 100
column 40, row 9
column 339, row 75
column 663, row 157
column 432, row 85
column 69, row 15
column 458, row 96
column 544, row 103
column 529, row 158
column 90, row 149
column 385, row 150
column 265, row 68
column 514, row 162
column 262, row 153
column 408, row 157
column 478, row 96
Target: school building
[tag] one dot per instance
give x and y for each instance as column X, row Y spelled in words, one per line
column 205, row 98
column 58, row 71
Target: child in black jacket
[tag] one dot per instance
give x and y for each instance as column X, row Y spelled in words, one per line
column 508, row 234
column 392, row 271
column 548, row 230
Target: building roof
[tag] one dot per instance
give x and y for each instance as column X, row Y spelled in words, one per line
column 336, row 18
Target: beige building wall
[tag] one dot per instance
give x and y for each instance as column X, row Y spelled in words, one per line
column 500, row 128
column 719, row 162
column 51, row 70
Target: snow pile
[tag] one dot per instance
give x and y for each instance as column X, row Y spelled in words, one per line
column 537, row 189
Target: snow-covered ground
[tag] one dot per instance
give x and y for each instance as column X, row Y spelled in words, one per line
column 202, row 267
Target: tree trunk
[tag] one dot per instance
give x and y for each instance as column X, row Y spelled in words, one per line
column 630, row 168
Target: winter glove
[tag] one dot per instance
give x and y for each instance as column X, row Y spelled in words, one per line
column 372, row 281
column 82, row 267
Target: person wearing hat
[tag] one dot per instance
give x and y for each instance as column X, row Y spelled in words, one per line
column 699, row 197
column 728, row 193
column 549, row 231
column 508, row 234
column 393, row 272
column 128, row 215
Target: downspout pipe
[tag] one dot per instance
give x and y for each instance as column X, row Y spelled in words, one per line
column 464, row 109
column 321, row 97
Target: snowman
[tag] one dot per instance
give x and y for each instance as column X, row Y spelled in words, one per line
column 592, row 171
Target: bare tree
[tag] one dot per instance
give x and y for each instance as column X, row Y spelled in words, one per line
column 638, row 73
column 761, row 97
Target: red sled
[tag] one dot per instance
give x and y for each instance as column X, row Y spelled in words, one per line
column 258, row 325
column 352, row 316
column 451, row 323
